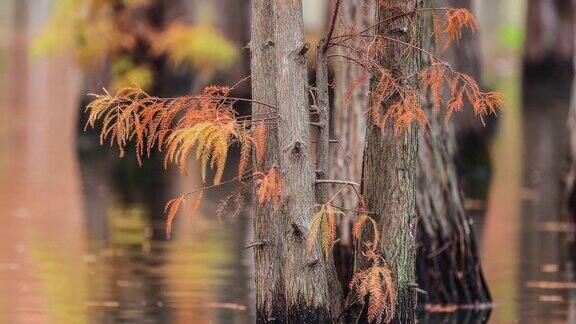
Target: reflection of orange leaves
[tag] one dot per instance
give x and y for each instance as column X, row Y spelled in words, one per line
column 430, row 308
column 271, row 188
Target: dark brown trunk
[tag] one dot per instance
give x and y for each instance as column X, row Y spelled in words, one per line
column 390, row 162
column 267, row 223
column 549, row 47
column 306, row 287
column 448, row 259
column 569, row 197
column 471, row 138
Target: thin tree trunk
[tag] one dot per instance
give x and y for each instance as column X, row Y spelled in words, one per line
column 390, row 162
column 306, row 287
column 570, row 174
column 550, row 46
column 268, row 225
column 323, row 165
column 348, row 121
column 448, row 259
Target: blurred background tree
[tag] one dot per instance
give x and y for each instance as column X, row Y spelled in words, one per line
column 143, row 43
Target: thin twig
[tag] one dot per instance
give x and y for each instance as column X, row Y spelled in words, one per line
column 342, row 182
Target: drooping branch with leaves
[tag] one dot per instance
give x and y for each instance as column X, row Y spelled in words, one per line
column 295, row 276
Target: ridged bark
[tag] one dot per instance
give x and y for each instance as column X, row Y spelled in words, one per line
column 448, row 262
column 267, row 223
column 306, row 288
column 323, row 166
column 348, row 120
column 448, row 258
column 390, row 162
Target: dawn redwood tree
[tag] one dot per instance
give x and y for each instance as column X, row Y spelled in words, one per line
column 390, row 159
column 348, row 124
column 295, row 220
column 448, row 261
column 549, row 51
column 306, row 285
column 267, row 221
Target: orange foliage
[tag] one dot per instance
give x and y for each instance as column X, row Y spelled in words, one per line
column 271, row 188
column 456, row 19
column 358, row 228
column 324, row 223
column 239, row 201
column 375, row 283
column 174, row 205
column 461, row 86
column 205, row 123
column 260, row 143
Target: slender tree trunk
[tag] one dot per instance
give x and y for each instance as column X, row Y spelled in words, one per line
column 348, row 120
column 550, row 46
column 390, row 162
column 268, row 225
column 306, row 288
column 448, row 259
column 323, row 165
column 570, row 174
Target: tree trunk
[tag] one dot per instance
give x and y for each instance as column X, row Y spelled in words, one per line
column 549, row 47
column 323, row 165
column 306, row 289
column 390, row 162
column 348, row 121
column 471, row 138
column 268, row 225
column 569, row 204
column 448, row 259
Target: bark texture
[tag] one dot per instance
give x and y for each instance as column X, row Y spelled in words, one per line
column 348, row 120
column 323, row 166
column 448, row 259
column 306, row 288
column 390, row 162
column 448, row 263
column 267, row 223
